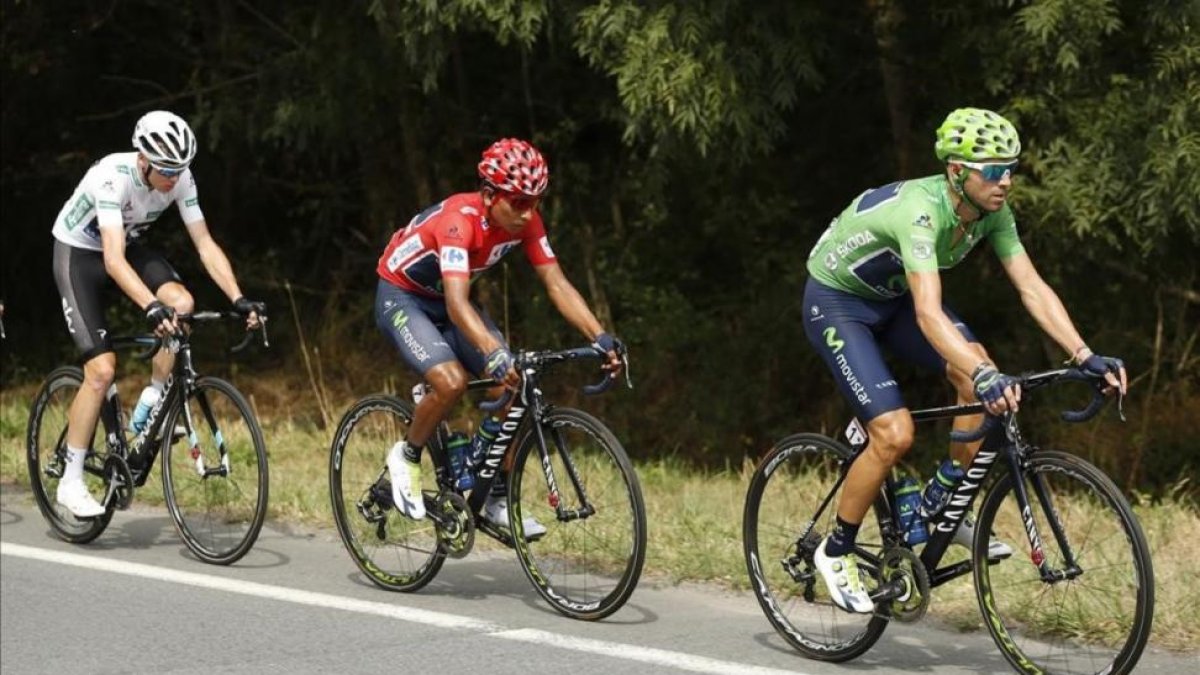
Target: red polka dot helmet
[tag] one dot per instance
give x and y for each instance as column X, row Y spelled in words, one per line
column 515, row 166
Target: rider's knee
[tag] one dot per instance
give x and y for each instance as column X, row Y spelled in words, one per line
column 177, row 297
column 891, row 436
column 99, row 371
column 449, row 383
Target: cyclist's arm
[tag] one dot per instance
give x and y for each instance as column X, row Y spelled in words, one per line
column 568, row 301
column 926, row 288
column 214, row 259
column 457, row 291
column 112, row 240
column 1042, row 302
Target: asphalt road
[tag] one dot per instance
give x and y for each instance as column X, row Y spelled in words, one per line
column 135, row 601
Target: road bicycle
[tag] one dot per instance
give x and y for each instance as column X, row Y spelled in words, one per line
column 1080, row 601
column 568, row 471
column 214, row 469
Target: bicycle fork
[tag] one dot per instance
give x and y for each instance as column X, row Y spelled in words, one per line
column 203, row 470
column 1037, row 555
column 554, row 498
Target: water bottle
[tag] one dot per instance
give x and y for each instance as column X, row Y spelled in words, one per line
column 141, row 412
column 908, row 506
column 458, row 448
column 485, row 435
column 937, row 491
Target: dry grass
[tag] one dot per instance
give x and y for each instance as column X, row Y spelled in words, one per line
column 694, row 517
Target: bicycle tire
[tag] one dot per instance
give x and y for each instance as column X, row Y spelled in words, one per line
column 218, row 515
column 587, row 567
column 786, row 489
column 1098, row 621
column 45, row 438
column 395, row 552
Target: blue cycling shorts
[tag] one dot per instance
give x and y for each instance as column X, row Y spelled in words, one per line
column 847, row 331
column 422, row 331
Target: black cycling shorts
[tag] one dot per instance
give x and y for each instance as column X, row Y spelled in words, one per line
column 83, row 285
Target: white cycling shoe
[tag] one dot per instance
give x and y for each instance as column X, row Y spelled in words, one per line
column 965, row 536
column 406, row 483
column 74, row 495
column 843, row 580
column 495, row 510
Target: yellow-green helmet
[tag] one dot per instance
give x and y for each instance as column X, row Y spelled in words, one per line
column 976, row 135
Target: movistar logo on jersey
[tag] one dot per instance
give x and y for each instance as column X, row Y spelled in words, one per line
column 399, row 319
column 835, row 343
column 855, row 241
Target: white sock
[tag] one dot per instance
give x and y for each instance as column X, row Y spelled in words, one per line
column 74, row 468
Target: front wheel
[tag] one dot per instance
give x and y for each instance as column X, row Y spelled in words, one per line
column 589, row 560
column 46, row 457
column 782, row 526
column 215, row 472
column 394, row 551
column 1088, row 609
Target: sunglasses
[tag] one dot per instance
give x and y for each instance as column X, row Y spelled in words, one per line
column 522, row 202
column 169, row 173
column 992, row 172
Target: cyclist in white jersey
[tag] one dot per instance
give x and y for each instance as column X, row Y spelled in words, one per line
column 97, row 243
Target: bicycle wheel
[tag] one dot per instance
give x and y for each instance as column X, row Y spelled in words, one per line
column 46, row 457
column 215, row 478
column 586, row 567
column 780, row 535
column 394, row 551
column 1097, row 617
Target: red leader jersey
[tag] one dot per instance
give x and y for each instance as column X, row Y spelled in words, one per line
column 454, row 238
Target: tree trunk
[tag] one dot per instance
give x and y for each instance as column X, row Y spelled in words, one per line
column 887, row 17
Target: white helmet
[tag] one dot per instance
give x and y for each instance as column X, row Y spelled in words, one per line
column 165, row 139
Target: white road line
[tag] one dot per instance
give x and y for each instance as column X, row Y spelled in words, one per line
column 648, row 655
column 616, row 650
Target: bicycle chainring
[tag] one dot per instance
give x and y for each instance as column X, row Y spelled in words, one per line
column 120, row 482
column 902, row 565
column 455, row 524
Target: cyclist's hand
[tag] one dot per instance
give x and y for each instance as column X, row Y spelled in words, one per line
column 255, row 312
column 995, row 390
column 499, row 367
column 161, row 318
column 614, row 348
column 1111, row 369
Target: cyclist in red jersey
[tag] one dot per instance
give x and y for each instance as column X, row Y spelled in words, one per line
column 423, row 302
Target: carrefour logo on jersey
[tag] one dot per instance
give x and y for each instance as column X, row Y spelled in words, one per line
column 454, row 259
column 856, row 241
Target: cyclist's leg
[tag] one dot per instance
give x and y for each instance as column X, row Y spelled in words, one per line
column 409, row 321
column 167, row 286
column 839, row 326
column 905, row 338
column 81, row 278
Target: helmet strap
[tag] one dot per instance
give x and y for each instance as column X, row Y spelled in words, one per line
column 959, row 185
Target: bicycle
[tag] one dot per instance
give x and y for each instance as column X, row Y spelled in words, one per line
column 1085, row 604
column 587, row 563
column 214, row 469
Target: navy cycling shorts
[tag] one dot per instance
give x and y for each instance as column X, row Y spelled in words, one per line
column 847, row 331
column 422, row 331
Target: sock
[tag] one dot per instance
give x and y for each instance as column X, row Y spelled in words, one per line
column 412, row 452
column 74, row 468
column 841, row 541
column 499, row 488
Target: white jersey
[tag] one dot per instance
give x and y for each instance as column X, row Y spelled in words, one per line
column 113, row 194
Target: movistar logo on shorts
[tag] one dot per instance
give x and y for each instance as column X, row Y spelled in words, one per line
column 835, row 343
column 399, row 319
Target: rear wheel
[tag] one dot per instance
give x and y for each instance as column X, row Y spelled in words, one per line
column 215, row 478
column 394, row 551
column 1093, row 610
column 46, row 457
column 587, row 565
column 780, row 535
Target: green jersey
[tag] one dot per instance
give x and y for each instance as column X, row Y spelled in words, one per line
column 906, row 226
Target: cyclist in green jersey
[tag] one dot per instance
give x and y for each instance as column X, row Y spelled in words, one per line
column 873, row 281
